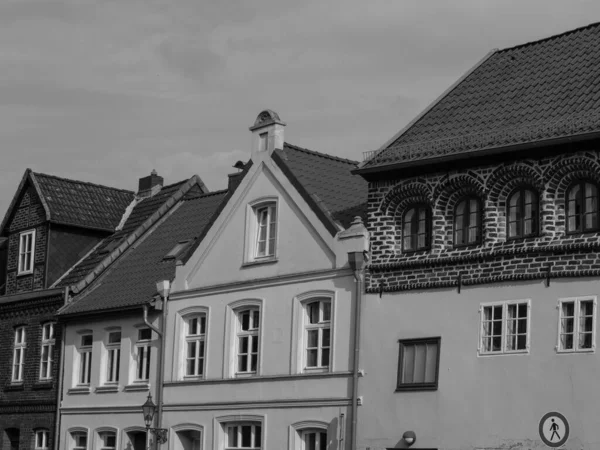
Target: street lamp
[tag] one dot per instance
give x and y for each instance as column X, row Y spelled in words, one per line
column 148, row 409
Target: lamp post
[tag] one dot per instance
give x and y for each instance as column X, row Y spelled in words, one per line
column 148, row 410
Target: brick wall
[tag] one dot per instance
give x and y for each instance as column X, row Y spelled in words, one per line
column 29, row 405
column 551, row 254
column 29, row 214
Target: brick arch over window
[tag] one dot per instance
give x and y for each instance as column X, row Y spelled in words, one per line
column 501, row 183
column 446, row 196
column 396, row 198
column 561, row 176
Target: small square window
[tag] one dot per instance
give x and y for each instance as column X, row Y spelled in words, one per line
column 577, row 324
column 145, row 334
column 504, row 327
column 418, row 364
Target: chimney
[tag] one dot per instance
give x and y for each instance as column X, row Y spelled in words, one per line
column 150, row 185
column 236, row 178
column 267, row 134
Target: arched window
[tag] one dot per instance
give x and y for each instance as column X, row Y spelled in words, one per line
column 582, row 207
column 522, row 213
column 415, row 228
column 467, row 222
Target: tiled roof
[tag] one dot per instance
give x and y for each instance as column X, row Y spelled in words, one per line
column 328, row 181
column 540, row 90
column 82, row 204
column 141, row 211
column 131, row 280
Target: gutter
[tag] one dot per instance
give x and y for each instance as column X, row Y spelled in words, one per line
column 61, row 370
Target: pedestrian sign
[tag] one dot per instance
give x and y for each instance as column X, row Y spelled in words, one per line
column 554, row 429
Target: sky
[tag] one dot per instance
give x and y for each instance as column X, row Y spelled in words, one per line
column 106, row 91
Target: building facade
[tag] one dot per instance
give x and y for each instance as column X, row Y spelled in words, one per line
column 50, row 225
column 483, row 283
column 262, row 312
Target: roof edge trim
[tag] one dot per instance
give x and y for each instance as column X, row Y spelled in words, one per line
column 13, row 202
column 136, row 234
column 30, row 295
column 430, row 106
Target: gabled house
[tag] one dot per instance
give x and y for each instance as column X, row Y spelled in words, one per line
column 51, row 223
column 484, row 216
column 263, row 311
column 113, row 325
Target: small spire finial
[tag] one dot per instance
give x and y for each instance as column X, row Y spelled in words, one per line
column 154, row 172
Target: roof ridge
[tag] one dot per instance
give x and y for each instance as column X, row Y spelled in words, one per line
column 173, row 184
column 548, row 38
column 323, row 155
column 70, row 180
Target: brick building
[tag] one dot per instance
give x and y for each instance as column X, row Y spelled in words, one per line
column 485, row 241
column 51, row 223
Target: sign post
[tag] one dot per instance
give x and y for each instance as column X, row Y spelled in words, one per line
column 554, row 429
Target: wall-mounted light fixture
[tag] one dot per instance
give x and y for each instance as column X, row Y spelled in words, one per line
column 409, row 437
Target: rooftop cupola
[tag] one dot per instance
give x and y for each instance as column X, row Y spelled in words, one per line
column 267, row 133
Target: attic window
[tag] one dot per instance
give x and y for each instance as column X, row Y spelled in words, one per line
column 26, row 252
column 177, row 250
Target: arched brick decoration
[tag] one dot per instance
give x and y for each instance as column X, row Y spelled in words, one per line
column 560, row 176
column 398, row 195
column 500, row 184
column 447, row 194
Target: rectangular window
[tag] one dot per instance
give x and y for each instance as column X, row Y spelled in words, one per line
column 418, row 364
column 41, row 439
column 195, row 341
column 504, row 327
column 18, row 355
column 246, row 436
column 314, row 439
column 113, row 357
column 247, row 340
column 577, row 324
column 318, row 333
column 266, row 230
column 144, row 350
column 85, row 359
column 26, row 251
column 47, row 353
column 79, row 441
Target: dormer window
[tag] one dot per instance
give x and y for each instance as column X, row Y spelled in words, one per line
column 582, row 207
column 415, row 229
column 26, row 252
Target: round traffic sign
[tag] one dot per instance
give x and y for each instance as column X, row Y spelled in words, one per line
column 554, row 429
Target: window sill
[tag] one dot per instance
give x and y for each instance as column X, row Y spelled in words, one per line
column 79, row 390
column 15, row 386
column 417, row 387
column 45, row 384
column 260, row 262
column 137, row 387
column 107, row 389
column 571, row 352
column 22, row 274
column 245, row 374
column 309, row 370
column 518, row 352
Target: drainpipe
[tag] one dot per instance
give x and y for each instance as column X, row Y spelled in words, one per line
column 357, row 261
column 60, row 382
column 163, row 288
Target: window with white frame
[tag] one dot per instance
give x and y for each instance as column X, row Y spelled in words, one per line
column 248, row 326
column 18, row 355
column 108, row 440
column 85, row 359
column 313, row 439
column 243, row 435
column 47, row 353
column 113, row 357
column 42, row 437
column 504, row 327
column 195, row 339
column 577, row 324
column 265, row 238
column 79, row 440
column 143, row 350
column 26, row 252
column 317, row 333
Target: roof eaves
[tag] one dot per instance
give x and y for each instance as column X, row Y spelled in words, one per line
column 13, row 202
column 318, row 208
column 136, row 234
column 419, row 116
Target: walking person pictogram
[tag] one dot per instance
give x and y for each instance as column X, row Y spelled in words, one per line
column 554, row 428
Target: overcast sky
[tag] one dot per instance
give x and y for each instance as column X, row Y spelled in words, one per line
column 107, row 90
